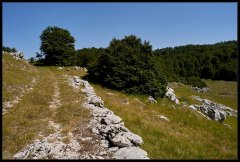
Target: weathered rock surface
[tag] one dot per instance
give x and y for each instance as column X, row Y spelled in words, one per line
column 214, row 110
column 201, row 90
column 114, row 135
column 130, row 153
column 170, row 94
column 126, row 139
column 79, row 68
column 51, row 147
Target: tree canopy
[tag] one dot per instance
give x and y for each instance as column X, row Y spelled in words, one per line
column 217, row 61
column 131, row 65
column 128, row 65
column 9, row 49
column 57, row 45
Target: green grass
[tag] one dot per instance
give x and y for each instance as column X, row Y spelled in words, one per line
column 16, row 75
column 30, row 116
column 186, row 136
column 26, row 119
column 71, row 112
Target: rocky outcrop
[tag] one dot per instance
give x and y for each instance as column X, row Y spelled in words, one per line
column 213, row 110
column 114, row 135
column 17, row 55
column 80, row 68
column 201, row 90
column 51, row 147
column 170, row 94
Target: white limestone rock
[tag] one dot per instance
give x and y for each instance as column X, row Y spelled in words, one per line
column 163, row 117
column 130, row 153
column 127, row 139
column 151, row 99
column 192, row 107
column 170, row 94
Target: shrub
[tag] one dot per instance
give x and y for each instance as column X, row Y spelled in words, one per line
column 196, row 82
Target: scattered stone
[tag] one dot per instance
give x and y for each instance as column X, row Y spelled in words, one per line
column 26, row 89
column 17, row 55
column 173, row 106
column 227, row 125
column 163, row 117
column 201, row 90
column 79, row 68
column 86, row 139
column 126, row 102
column 111, row 94
column 192, row 107
column 170, row 94
column 151, row 99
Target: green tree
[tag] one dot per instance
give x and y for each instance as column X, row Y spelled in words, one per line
column 31, row 60
column 88, row 56
column 128, row 65
column 57, row 45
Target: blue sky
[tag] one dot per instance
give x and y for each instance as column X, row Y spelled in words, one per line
column 95, row 24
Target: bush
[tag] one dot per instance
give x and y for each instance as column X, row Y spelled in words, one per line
column 196, row 82
column 128, row 65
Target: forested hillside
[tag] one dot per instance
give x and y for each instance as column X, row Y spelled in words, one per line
column 132, row 66
column 217, row 61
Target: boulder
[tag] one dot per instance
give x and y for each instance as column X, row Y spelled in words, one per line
column 151, row 99
column 121, row 141
column 130, row 153
column 170, row 94
column 201, row 90
column 127, row 139
column 76, row 79
column 216, row 114
column 97, row 101
column 192, row 107
column 112, row 119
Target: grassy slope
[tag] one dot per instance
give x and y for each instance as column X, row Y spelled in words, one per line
column 16, row 75
column 31, row 115
column 186, row 136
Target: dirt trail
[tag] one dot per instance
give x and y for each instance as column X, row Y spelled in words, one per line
column 78, row 144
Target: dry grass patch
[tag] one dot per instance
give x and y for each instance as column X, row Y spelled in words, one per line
column 29, row 117
column 71, row 113
column 16, row 76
